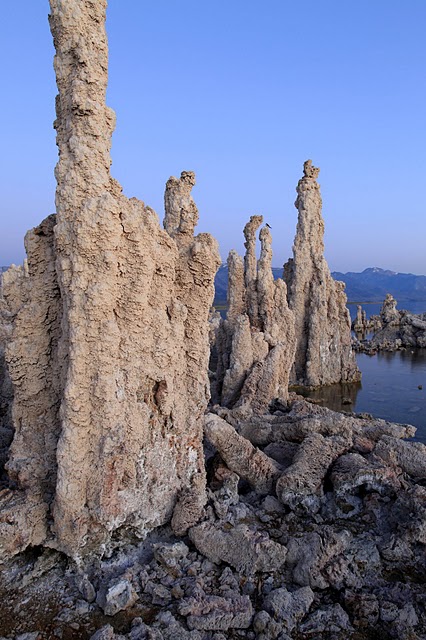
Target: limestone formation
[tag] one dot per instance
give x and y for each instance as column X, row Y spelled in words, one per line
column 105, row 336
column 360, row 324
column 246, row 550
column 388, row 312
column 301, row 485
column 323, row 329
column 36, row 363
column 256, row 342
column 109, row 355
column 13, row 292
column 393, row 329
column 240, row 455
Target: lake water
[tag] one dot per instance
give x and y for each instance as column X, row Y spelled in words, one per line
column 389, row 389
column 373, row 308
column 390, row 382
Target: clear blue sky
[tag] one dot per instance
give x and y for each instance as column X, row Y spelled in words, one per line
column 241, row 92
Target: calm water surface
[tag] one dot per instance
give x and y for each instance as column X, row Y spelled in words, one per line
column 390, row 382
column 389, row 389
column 373, row 308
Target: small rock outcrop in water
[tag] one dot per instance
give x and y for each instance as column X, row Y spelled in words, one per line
column 109, row 353
column 323, row 329
column 256, row 342
column 393, row 329
column 360, row 324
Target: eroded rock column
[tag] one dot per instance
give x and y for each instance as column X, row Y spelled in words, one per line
column 13, row 294
column 122, row 385
column 323, row 328
column 256, row 342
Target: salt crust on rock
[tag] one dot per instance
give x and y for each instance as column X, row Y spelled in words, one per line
column 240, row 455
column 13, row 293
column 246, row 550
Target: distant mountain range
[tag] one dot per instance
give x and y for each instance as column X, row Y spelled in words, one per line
column 371, row 285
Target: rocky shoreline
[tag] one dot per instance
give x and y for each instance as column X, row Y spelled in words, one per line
column 339, row 554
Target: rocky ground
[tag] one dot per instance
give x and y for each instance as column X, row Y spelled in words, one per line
column 320, row 534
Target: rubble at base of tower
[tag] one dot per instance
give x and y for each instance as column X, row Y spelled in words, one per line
column 314, row 527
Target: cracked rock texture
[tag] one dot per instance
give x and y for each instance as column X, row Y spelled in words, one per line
column 323, row 328
column 109, row 355
column 240, row 455
column 13, row 293
column 351, row 568
column 256, row 342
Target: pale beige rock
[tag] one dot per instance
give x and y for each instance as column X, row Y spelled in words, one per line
column 256, row 342
column 360, row 324
column 301, row 485
column 389, row 313
column 410, row 456
column 13, row 293
column 36, row 366
column 110, row 367
column 240, row 455
column 22, row 522
column 323, row 328
column 247, row 550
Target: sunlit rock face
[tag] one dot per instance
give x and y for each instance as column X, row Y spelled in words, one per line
column 323, row 328
column 109, row 355
column 256, row 342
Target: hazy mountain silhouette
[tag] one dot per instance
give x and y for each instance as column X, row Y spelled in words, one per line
column 371, row 285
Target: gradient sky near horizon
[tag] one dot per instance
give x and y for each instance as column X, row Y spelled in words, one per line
column 241, row 92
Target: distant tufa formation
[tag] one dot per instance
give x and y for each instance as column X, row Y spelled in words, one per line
column 265, row 341
column 109, row 352
column 323, row 329
column 392, row 329
column 256, row 342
